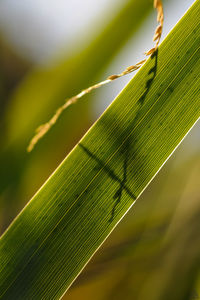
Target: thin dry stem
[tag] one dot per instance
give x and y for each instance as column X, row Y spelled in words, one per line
column 43, row 129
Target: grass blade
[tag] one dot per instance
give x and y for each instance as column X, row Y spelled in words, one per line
column 56, row 234
column 36, row 98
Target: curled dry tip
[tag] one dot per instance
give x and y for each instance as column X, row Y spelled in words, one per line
column 40, row 132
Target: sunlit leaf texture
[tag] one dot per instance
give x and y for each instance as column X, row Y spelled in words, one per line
column 59, row 230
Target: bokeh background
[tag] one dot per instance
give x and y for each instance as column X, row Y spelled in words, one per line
column 50, row 50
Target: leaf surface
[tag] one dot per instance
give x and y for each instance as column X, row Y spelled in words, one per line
column 60, row 229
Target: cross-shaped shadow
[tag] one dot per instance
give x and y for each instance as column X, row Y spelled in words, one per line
column 122, row 182
column 125, row 150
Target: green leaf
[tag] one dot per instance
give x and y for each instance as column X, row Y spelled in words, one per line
column 39, row 95
column 60, row 229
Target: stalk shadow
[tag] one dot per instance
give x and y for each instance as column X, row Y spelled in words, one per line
column 125, row 147
column 149, row 82
column 112, row 174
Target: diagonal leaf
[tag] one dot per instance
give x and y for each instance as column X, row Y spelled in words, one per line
column 40, row 94
column 56, row 234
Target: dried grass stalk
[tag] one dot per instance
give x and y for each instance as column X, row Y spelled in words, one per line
column 43, row 129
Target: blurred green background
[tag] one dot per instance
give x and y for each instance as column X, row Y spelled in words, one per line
column 51, row 50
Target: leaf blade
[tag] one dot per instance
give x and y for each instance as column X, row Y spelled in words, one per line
column 81, row 203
